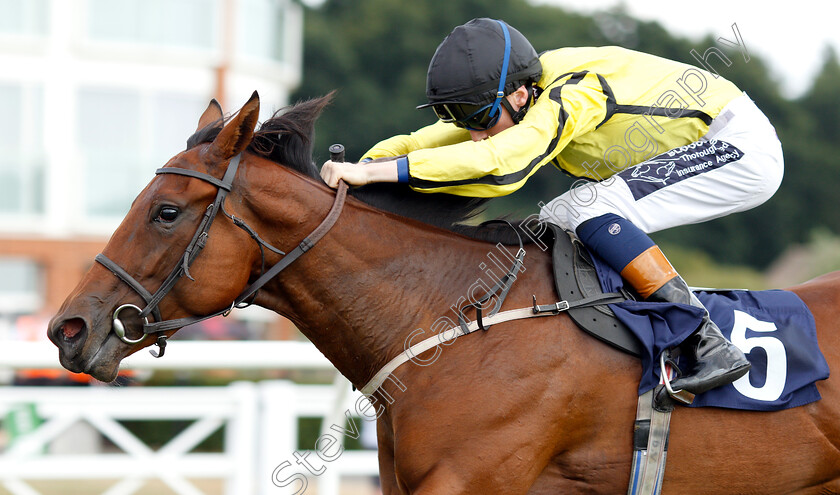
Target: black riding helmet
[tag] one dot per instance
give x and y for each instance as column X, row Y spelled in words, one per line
column 466, row 70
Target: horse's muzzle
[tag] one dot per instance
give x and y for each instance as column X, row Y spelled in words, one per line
column 69, row 336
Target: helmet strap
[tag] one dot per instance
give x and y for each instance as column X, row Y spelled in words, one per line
column 518, row 115
column 500, row 93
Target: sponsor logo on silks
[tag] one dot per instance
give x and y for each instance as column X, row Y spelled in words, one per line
column 678, row 164
column 614, row 229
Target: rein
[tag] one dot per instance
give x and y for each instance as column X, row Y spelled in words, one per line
column 193, row 249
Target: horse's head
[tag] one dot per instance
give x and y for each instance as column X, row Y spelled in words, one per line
column 146, row 271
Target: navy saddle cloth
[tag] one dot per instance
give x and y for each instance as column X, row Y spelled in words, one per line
column 774, row 328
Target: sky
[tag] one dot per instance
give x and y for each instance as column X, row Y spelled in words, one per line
column 791, row 36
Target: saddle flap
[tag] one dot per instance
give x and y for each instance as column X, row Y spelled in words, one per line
column 575, row 277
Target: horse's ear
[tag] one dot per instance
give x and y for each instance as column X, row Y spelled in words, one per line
column 212, row 114
column 239, row 131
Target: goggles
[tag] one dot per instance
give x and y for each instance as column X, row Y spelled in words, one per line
column 466, row 116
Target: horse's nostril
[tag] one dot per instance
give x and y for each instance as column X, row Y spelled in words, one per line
column 72, row 328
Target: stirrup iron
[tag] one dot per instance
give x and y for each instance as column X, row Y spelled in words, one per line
column 681, row 396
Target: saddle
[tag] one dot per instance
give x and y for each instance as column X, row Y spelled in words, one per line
column 575, row 279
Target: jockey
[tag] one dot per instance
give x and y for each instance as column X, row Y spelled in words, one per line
column 665, row 144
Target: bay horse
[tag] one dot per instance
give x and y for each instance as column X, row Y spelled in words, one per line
column 528, row 407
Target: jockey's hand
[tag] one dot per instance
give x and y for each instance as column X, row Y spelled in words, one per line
column 358, row 174
column 352, row 173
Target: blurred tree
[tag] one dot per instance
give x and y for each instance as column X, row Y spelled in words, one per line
column 823, row 99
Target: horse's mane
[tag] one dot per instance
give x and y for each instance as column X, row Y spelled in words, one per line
column 287, row 138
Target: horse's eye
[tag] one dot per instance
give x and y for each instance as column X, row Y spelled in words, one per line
column 167, row 214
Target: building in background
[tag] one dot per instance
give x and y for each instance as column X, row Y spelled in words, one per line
column 97, row 94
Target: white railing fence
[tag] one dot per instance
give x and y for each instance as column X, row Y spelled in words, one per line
column 260, row 452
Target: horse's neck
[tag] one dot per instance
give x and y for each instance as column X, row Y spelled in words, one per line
column 369, row 283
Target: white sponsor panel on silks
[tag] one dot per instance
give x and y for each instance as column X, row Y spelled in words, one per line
column 735, row 166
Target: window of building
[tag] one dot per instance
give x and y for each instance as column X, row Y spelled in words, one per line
column 110, row 145
column 186, row 23
column 21, row 286
column 261, row 29
column 26, row 18
column 22, row 161
column 124, row 136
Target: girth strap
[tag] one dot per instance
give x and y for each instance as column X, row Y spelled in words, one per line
column 650, row 446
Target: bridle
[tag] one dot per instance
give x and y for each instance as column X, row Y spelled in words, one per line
column 199, row 240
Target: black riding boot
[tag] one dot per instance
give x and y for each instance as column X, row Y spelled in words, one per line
column 716, row 360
